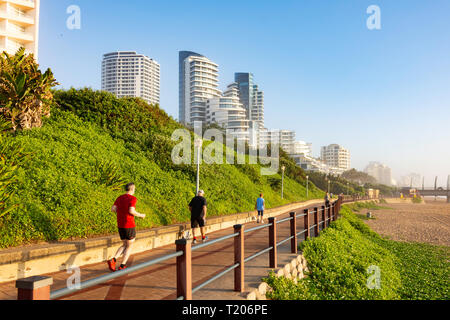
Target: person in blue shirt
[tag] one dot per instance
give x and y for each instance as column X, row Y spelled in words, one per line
column 260, row 206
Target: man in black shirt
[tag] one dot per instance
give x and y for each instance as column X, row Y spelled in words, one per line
column 197, row 206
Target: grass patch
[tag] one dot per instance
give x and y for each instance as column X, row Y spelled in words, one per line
column 417, row 200
column 339, row 262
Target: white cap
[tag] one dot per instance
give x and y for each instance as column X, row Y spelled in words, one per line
column 201, row 192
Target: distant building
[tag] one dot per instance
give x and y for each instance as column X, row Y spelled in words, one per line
column 381, row 172
column 309, row 163
column 251, row 97
column 198, row 82
column 19, row 26
column 301, row 147
column 285, row 138
column 128, row 74
column 228, row 112
column 336, row 156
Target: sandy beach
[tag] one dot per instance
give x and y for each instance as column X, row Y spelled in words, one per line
column 428, row 222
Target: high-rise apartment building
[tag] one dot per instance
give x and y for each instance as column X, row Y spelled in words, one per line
column 228, row 112
column 336, row 156
column 198, row 83
column 128, row 74
column 285, row 138
column 251, row 97
column 19, row 26
column 381, row 172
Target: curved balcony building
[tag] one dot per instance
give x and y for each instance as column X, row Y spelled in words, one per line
column 198, row 83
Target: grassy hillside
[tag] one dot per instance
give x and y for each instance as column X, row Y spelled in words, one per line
column 93, row 144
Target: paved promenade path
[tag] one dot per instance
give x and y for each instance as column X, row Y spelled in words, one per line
column 158, row 282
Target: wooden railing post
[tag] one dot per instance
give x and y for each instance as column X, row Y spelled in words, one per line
column 333, row 211
column 184, row 269
column 316, row 221
column 239, row 282
column 273, row 262
column 34, row 288
column 306, row 223
column 329, row 215
column 293, row 232
column 324, row 218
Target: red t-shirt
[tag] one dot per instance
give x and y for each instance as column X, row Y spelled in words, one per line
column 123, row 204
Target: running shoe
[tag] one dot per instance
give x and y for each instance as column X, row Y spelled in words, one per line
column 112, row 265
column 122, row 267
column 194, row 241
column 205, row 239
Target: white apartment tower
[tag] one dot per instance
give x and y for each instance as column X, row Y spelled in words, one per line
column 19, row 26
column 128, row 74
column 198, row 82
column 336, row 156
column 229, row 113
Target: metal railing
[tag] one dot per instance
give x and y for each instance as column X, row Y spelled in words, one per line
column 322, row 217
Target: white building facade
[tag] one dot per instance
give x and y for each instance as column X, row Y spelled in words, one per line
column 129, row 74
column 198, row 83
column 228, row 112
column 19, row 26
column 301, row 147
column 336, row 156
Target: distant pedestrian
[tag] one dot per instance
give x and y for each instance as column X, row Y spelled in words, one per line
column 198, row 208
column 260, row 206
column 327, row 199
column 125, row 208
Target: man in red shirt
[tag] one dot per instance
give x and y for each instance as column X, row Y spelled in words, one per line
column 125, row 208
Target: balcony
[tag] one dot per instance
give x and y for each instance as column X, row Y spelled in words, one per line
column 22, row 19
column 17, row 35
column 23, row 4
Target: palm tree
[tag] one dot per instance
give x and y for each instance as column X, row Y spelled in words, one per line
column 25, row 93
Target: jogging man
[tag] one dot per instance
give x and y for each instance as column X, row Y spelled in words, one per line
column 260, row 206
column 125, row 208
column 198, row 209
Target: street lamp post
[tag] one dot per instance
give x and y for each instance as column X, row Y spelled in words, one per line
column 307, row 185
column 198, row 144
column 348, row 188
column 282, row 181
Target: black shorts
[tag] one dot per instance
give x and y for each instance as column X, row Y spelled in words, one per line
column 127, row 234
column 197, row 222
column 261, row 213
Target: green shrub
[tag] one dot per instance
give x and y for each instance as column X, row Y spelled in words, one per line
column 417, row 200
column 339, row 259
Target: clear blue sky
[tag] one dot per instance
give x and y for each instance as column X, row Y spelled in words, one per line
column 383, row 94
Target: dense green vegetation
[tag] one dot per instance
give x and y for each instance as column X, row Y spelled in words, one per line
column 351, row 182
column 93, row 144
column 339, row 259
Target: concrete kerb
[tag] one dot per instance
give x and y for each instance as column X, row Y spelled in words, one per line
column 18, row 263
column 294, row 270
